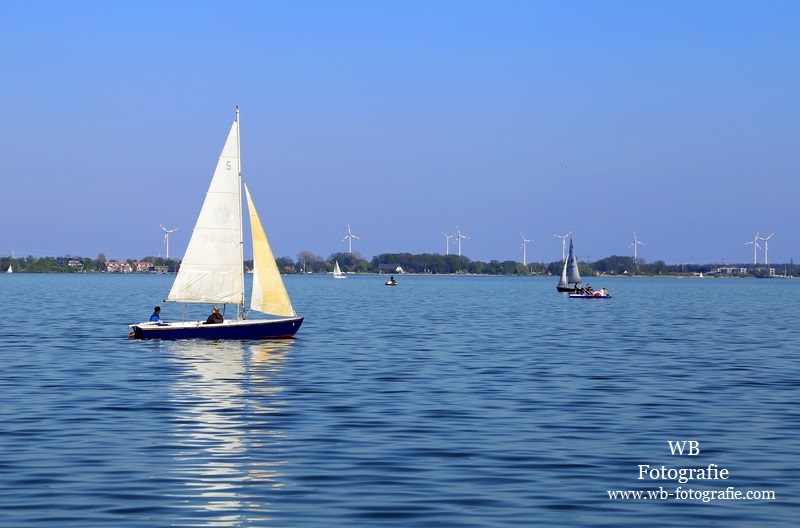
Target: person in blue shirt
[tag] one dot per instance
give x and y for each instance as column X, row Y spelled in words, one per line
column 156, row 317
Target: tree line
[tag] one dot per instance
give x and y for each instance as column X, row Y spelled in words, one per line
column 74, row 264
column 394, row 263
column 435, row 263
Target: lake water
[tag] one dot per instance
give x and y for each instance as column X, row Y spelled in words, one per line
column 442, row 402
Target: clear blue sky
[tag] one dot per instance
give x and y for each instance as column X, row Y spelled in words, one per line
column 677, row 120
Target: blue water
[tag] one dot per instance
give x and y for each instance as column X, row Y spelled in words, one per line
column 442, row 402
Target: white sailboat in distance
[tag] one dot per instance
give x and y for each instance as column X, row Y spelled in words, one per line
column 337, row 272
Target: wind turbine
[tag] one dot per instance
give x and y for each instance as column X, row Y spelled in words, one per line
column 636, row 242
column 447, row 242
column 766, row 250
column 349, row 237
column 755, row 246
column 166, row 236
column 524, row 248
column 459, row 236
column 563, row 245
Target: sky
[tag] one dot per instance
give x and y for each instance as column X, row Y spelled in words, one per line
column 678, row 121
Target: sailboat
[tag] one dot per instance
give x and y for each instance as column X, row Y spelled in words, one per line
column 10, row 269
column 212, row 271
column 337, row 272
column 570, row 274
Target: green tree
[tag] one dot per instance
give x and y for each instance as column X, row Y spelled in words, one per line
column 615, row 265
column 285, row 265
column 350, row 262
column 308, row 261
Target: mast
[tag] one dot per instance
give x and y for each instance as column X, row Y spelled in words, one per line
column 241, row 308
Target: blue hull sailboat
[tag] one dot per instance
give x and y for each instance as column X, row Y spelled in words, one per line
column 212, row 271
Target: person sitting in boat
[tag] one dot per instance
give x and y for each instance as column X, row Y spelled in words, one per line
column 604, row 292
column 589, row 290
column 391, row 280
column 215, row 317
column 156, row 317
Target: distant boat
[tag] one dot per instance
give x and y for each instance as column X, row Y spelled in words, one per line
column 10, row 269
column 212, row 270
column 390, row 282
column 337, row 272
column 570, row 275
column 600, row 294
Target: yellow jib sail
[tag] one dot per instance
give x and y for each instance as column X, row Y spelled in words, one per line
column 269, row 293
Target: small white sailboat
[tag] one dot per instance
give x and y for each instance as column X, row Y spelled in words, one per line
column 212, row 270
column 337, row 272
column 10, row 269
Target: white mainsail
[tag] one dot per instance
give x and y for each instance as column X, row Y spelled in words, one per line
column 212, row 270
column 269, row 293
column 562, row 282
column 572, row 266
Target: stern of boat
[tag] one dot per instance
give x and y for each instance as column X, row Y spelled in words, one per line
column 134, row 332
